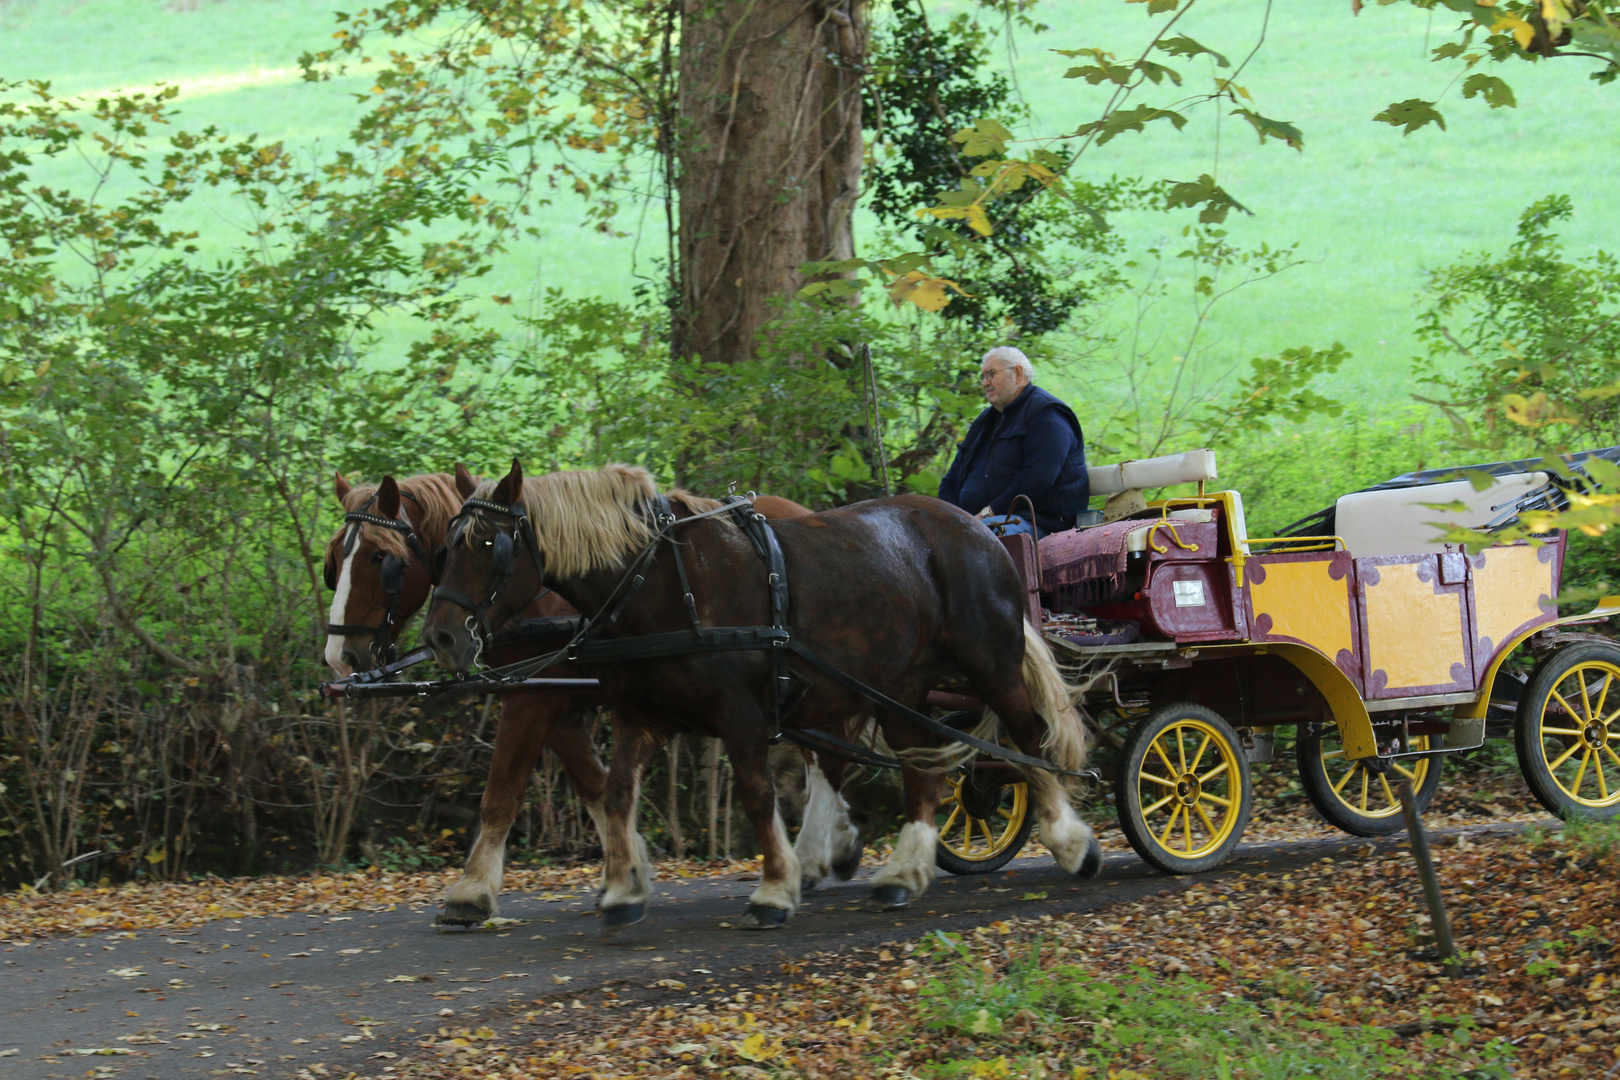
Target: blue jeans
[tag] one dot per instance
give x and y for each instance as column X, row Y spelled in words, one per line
column 1009, row 525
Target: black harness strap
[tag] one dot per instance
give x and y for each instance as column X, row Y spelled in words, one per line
column 928, row 723
column 824, row 742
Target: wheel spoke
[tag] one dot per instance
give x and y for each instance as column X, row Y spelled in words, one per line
column 1366, row 778
column 1338, row 789
column 1216, row 771
column 1559, row 731
column 1580, row 773
column 1586, row 695
column 1603, row 694
column 1603, row 781
column 1408, row 773
column 1388, row 794
column 1607, row 749
column 1565, row 756
column 1181, row 748
column 1570, row 709
column 1216, row 799
column 1164, row 837
column 1157, row 779
column 1332, row 753
column 945, row 829
column 1004, row 813
column 1208, row 824
column 1146, row 810
column 1186, row 825
column 1199, row 756
column 1169, row 766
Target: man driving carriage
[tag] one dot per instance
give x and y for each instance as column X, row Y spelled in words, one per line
column 1027, row 443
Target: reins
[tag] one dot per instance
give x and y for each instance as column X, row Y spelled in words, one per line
column 777, row 638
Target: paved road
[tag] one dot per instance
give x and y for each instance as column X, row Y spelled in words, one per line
column 269, row 996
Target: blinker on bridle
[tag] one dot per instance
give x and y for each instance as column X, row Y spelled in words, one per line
column 501, row 559
column 382, row 649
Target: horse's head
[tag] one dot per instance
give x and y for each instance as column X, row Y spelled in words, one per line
column 378, row 572
column 488, row 571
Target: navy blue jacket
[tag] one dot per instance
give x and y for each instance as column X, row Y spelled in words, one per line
column 1036, row 448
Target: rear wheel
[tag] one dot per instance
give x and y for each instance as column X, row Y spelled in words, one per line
column 1183, row 789
column 984, row 821
column 1567, row 731
column 1355, row 798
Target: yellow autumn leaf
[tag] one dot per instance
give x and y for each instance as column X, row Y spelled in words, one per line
column 1522, row 31
column 1537, row 410
column 757, row 1048
column 978, row 221
column 924, row 290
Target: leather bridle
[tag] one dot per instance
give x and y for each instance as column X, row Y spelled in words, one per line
column 501, row 560
column 382, row 648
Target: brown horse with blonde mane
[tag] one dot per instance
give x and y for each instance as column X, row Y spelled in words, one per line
column 903, row 595
column 380, row 578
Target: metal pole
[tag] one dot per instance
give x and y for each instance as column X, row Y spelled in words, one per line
column 1431, row 882
column 877, row 417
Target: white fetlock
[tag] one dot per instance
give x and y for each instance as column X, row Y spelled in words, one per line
column 784, row 892
column 912, row 864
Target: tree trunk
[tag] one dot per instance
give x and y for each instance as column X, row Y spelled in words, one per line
column 769, row 152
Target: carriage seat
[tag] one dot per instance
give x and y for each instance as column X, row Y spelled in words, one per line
column 1395, row 521
column 1193, row 467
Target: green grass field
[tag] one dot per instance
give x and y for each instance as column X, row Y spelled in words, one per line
column 1369, row 208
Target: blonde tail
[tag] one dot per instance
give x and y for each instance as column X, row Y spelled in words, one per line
column 1067, row 739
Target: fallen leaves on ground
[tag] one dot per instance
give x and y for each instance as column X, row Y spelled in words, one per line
column 141, row 906
column 1337, row 957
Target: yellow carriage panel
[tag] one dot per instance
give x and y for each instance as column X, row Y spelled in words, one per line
column 1417, row 628
column 1513, row 591
column 1304, row 602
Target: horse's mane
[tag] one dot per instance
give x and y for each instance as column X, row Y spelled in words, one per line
column 430, row 500
column 592, row 519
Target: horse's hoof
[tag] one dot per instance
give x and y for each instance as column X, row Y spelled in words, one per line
column 809, row 884
column 890, row 897
column 1091, row 865
column 763, row 917
column 845, row 865
column 461, row 913
column 620, row 916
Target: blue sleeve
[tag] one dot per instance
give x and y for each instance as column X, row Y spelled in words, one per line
column 1047, row 443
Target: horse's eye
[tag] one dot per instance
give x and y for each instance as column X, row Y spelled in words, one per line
column 489, row 543
column 378, row 557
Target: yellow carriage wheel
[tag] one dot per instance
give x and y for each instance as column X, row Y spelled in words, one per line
column 1568, row 731
column 1358, row 799
column 983, row 821
column 1183, row 790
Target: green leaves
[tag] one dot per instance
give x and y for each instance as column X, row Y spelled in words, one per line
column 1276, row 129
column 1203, row 192
column 1412, row 114
column 1186, row 46
column 1122, row 120
column 986, row 136
column 1497, row 94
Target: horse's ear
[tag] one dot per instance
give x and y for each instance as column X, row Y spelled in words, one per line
column 466, row 482
column 388, row 497
column 510, row 489
column 340, row 486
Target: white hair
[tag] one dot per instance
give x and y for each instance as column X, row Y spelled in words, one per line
column 1013, row 358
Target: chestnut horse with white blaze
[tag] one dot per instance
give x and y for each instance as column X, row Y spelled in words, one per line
column 903, row 594
column 380, row 580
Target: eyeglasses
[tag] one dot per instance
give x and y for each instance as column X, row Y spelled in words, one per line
column 989, row 375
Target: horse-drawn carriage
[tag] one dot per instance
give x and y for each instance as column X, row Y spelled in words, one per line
column 1384, row 649
column 1191, row 641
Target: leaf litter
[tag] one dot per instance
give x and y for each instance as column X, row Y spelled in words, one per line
column 1329, row 970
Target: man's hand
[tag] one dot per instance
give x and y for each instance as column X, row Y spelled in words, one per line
column 985, row 512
